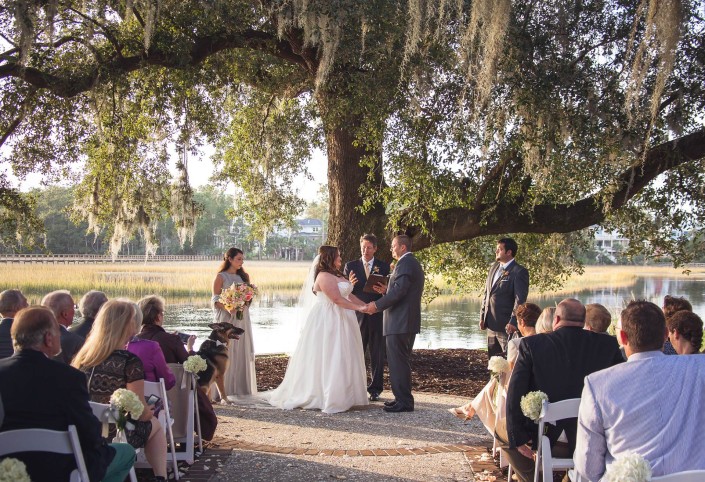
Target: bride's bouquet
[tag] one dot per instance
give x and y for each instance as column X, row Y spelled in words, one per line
column 237, row 296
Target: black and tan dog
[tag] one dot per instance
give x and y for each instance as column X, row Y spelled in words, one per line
column 215, row 351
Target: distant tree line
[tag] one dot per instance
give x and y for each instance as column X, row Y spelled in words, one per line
column 216, row 229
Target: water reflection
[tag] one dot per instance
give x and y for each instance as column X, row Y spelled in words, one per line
column 448, row 322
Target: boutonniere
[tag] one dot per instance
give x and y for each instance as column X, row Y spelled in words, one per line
column 375, row 270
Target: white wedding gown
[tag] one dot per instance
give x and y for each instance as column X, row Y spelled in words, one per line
column 327, row 369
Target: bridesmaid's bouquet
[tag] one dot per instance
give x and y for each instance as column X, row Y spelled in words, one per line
column 237, row 296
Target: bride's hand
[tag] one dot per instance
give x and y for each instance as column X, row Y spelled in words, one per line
column 361, row 308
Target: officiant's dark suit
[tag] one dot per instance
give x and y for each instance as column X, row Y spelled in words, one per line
column 370, row 324
column 555, row 363
column 402, row 321
column 507, row 287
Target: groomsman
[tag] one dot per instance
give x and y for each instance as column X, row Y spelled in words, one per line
column 506, row 288
column 402, row 321
column 370, row 324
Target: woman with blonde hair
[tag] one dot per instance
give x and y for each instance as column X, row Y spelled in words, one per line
column 108, row 366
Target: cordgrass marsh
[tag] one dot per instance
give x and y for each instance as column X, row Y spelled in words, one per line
column 190, row 282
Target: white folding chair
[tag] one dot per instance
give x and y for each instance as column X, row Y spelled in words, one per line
column 103, row 413
column 184, row 411
column 43, row 440
column 550, row 413
column 687, row 476
column 158, row 389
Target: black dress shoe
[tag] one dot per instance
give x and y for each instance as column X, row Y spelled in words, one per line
column 389, row 403
column 374, row 397
column 398, row 407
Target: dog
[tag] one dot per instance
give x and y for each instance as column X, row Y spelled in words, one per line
column 215, row 351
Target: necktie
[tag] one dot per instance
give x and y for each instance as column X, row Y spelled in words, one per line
column 367, row 269
column 497, row 274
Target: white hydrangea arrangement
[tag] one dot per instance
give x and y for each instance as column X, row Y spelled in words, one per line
column 125, row 401
column 531, row 404
column 629, row 467
column 497, row 365
column 195, row 364
column 13, row 470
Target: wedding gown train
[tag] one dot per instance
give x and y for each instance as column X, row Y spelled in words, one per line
column 327, row 369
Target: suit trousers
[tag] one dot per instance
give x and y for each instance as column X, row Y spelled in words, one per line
column 399, row 360
column 524, row 467
column 373, row 340
column 496, row 343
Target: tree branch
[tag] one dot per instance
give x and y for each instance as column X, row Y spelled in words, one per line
column 202, row 47
column 458, row 224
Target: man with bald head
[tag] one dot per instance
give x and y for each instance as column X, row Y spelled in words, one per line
column 61, row 304
column 555, row 363
column 11, row 301
column 38, row 392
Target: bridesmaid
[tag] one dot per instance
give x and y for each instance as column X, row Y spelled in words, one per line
column 240, row 378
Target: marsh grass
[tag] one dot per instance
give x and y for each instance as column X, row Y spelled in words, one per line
column 178, row 282
column 190, row 282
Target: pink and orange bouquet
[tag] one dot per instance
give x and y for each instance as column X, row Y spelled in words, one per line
column 237, row 296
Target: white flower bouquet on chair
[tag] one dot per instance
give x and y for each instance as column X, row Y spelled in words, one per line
column 531, row 404
column 122, row 402
column 628, row 468
column 13, row 470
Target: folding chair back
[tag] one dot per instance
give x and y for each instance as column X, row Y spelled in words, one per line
column 184, row 410
column 103, row 413
column 43, row 440
column 164, row 417
column 550, row 413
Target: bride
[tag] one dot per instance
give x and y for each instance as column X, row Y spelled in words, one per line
column 327, row 369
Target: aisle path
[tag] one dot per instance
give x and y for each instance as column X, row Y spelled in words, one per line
column 364, row 444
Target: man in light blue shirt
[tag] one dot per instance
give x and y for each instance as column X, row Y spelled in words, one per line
column 653, row 405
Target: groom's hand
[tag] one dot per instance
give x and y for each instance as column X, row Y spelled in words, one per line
column 371, row 308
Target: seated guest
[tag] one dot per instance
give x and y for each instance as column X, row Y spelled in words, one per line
column 61, row 304
column 152, row 308
column 555, row 363
column 651, row 405
column 108, row 366
column 152, row 360
column 38, row 392
column 685, row 330
column 597, row 318
column 11, row 301
column 88, row 306
column 545, row 321
column 485, row 404
column 174, row 352
column 671, row 306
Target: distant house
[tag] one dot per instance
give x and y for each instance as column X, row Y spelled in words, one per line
column 610, row 244
column 303, row 243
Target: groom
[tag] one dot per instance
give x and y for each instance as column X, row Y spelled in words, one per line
column 402, row 321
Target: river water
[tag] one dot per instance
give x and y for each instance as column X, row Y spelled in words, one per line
column 448, row 322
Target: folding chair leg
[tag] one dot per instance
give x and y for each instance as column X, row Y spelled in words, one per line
column 133, row 475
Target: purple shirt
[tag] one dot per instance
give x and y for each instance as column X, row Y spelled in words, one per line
column 153, row 360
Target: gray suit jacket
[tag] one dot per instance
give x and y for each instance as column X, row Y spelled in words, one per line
column 70, row 344
column 402, row 302
column 501, row 298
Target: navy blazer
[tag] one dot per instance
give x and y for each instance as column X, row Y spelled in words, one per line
column 402, row 302
column 41, row 393
column 378, row 267
column 555, row 363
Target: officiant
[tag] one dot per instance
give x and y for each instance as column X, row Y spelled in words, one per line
column 358, row 271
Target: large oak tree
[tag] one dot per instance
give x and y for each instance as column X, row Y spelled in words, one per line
column 450, row 121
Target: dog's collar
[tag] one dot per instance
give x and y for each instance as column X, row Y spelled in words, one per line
column 219, row 343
